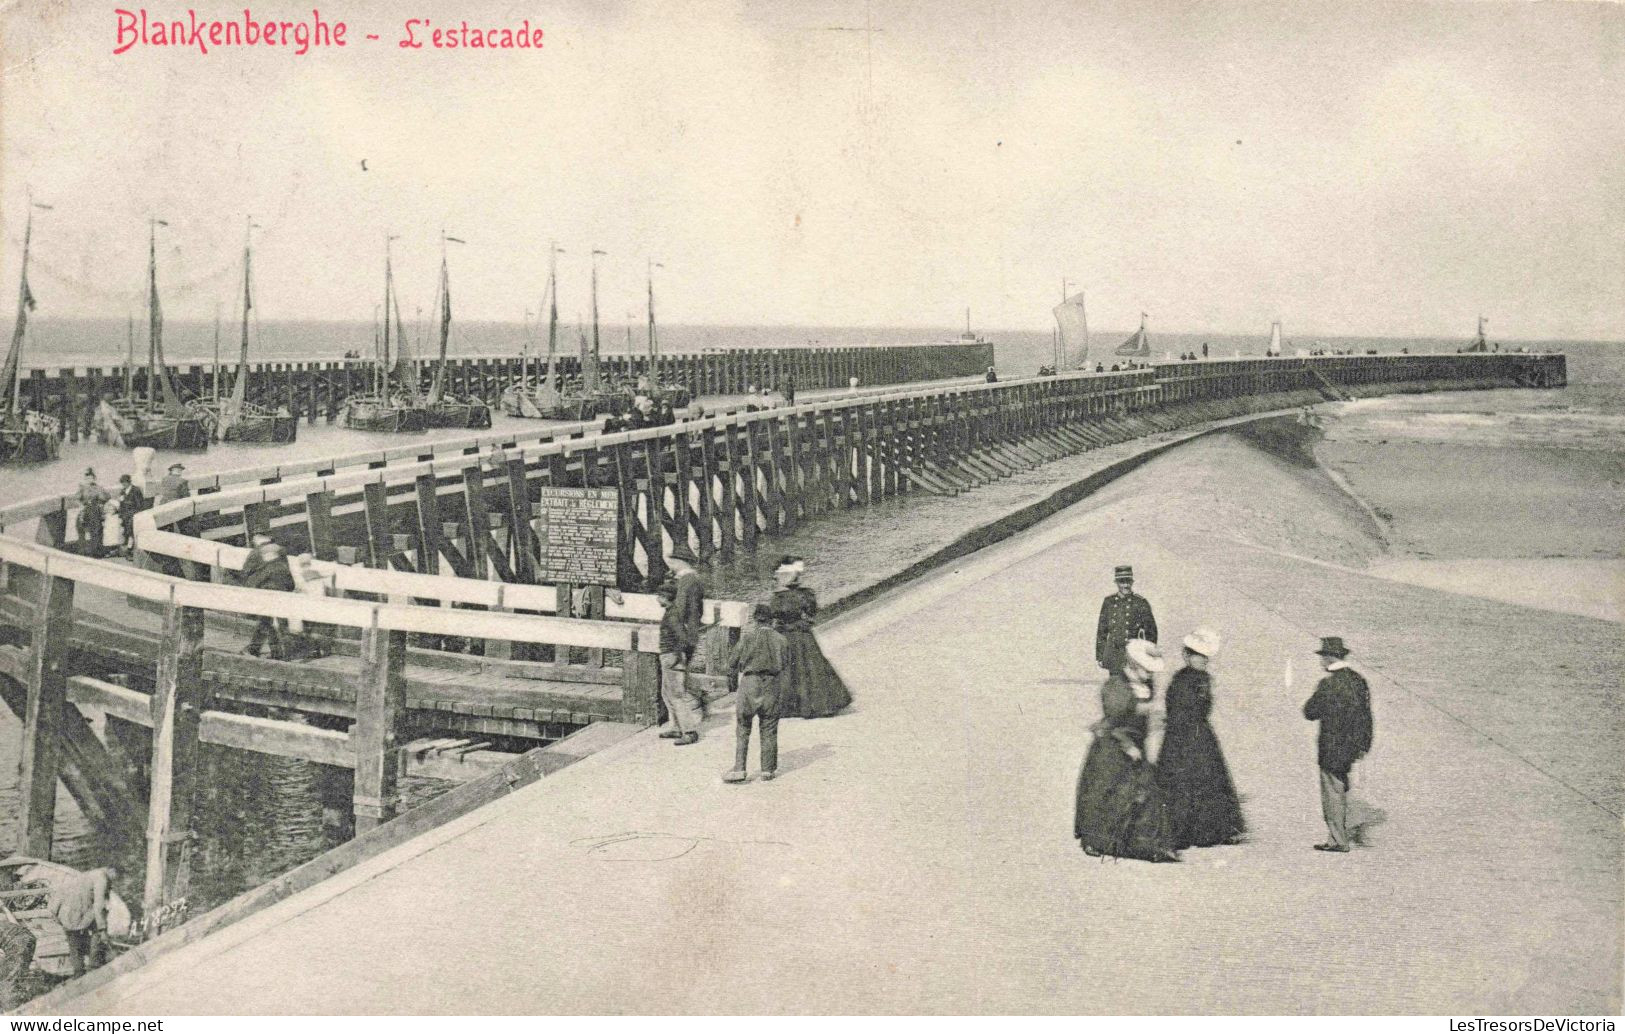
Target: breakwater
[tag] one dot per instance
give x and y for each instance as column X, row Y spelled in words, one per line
column 316, row 389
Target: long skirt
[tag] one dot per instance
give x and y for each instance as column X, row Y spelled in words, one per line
column 1119, row 809
column 809, row 687
column 1203, row 808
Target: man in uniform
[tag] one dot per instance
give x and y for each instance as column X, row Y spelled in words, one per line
column 1123, row 616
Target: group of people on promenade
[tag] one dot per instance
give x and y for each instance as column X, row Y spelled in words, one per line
column 1129, row 807
column 106, row 520
column 780, row 669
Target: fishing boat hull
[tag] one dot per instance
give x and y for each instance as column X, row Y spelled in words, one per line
column 373, row 415
column 22, row 447
column 471, row 414
column 133, row 426
column 263, row 430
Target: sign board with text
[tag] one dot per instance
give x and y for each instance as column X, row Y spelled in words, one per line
column 577, row 533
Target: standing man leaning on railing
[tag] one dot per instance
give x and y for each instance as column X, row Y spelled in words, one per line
column 681, row 646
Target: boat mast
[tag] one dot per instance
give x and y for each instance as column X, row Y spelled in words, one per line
column 11, row 393
column 129, row 359
column 155, row 314
column 590, row 382
column 389, row 290
column 654, row 340
column 553, row 310
column 439, row 384
column 217, row 354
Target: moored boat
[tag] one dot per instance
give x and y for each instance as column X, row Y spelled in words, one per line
column 393, row 404
column 159, row 419
column 440, row 407
column 26, row 435
column 233, row 418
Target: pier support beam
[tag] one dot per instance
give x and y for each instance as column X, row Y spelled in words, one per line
column 177, row 708
column 380, row 702
column 45, row 712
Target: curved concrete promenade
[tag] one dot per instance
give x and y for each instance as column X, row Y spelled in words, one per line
column 915, row 855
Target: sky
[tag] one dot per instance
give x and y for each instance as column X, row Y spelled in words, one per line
column 1349, row 168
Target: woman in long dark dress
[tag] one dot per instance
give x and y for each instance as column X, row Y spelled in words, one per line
column 809, row 687
column 1120, row 812
column 1203, row 809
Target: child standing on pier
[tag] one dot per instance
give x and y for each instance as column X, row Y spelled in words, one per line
column 758, row 658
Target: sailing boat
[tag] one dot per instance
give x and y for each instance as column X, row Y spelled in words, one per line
column 235, row 418
column 392, row 405
column 1139, row 343
column 1072, row 322
column 440, row 408
column 1274, row 347
column 540, row 398
column 1479, row 344
column 649, row 384
column 159, row 419
column 26, row 435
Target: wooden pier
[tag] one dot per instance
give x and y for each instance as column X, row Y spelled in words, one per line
column 429, row 556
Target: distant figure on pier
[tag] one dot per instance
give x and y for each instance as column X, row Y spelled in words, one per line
column 1100, row 367
column 1342, row 705
column 131, row 501
column 992, row 376
column 174, row 485
column 812, row 688
column 1115, row 368
column 93, row 499
column 1124, row 616
column 682, row 646
column 637, row 418
column 789, row 389
column 1204, row 350
column 758, row 659
column 1203, row 809
column 272, row 573
column 666, row 416
column 1120, row 812
column 17, row 945
column 852, row 383
column 79, row 903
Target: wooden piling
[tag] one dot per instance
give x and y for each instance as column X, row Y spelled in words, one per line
column 177, row 708
column 47, row 709
column 380, row 703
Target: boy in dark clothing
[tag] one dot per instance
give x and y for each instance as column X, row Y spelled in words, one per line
column 268, row 569
column 757, row 658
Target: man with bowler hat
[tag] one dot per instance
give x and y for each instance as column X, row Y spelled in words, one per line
column 1124, row 616
column 1342, row 705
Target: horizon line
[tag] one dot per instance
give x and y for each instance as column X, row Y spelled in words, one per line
column 1412, row 336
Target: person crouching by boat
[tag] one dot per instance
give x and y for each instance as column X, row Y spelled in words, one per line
column 79, row 903
column 1120, row 811
column 93, row 499
column 269, row 571
column 757, row 658
column 812, row 687
column 17, row 945
column 1203, row 809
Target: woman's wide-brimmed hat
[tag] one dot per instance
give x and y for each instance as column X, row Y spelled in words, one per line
column 1145, row 654
column 790, row 565
column 1204, row 641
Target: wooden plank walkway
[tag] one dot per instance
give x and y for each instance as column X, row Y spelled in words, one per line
column 915, row 853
